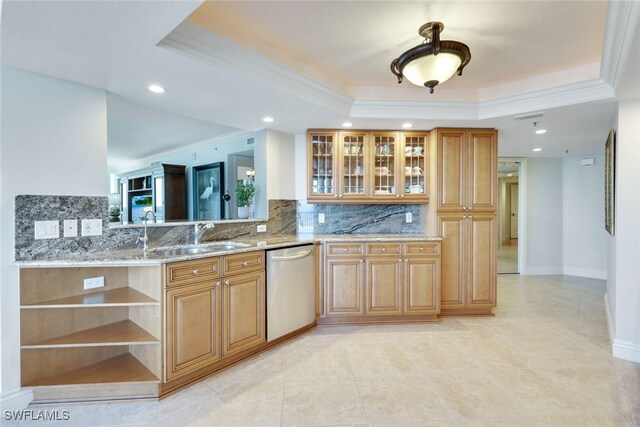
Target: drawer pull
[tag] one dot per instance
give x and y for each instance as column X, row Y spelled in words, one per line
column 384, row 249
column 226, row 282
column 217, row 284
column 421, row 249
column 245, row 264
column 346, row 250
column 194, row 272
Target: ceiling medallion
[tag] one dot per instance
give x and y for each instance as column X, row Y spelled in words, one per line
column 432, row 62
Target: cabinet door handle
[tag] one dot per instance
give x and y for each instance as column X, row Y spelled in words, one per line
column 470, row 216
column 218, row 284
column 194, row 272
column 346, row 250
column 336, row 196
column 400, row 260
column 361, row 261
column 245, row 264
column 384, row 249
column 421, row 249
column 226, row 282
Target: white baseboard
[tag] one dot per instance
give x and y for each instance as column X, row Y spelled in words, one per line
column 626, row 350
column 543, row 271
column 16, row 400
column 583, row 272
column 610, row 325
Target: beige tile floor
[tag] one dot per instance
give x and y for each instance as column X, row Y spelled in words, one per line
column 542, row 361
column 508, row 256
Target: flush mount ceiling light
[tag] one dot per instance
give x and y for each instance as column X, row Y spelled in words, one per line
column 537, row 149
column 156, row 89
column 347, row 124
column 407, row 125
column 432, row 62
column 268, row 119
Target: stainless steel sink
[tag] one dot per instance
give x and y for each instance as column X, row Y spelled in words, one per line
column 198, row 249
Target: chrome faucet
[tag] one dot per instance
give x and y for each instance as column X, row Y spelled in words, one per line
column 200, row 230
column 145, row 239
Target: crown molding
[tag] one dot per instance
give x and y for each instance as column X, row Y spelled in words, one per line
column 622, row 20
column 570, row 94
column 432, row 110
column 194, row 41
column 221, row 138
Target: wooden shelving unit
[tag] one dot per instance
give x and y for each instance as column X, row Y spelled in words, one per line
column 124, row 332
column 101, row 343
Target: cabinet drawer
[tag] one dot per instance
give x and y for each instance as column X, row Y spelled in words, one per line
column 193, row 271
column 384, row 248
column 422, row 248
column 242, row 263
column 337, row 249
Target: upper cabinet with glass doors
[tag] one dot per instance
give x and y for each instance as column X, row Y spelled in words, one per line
column 368, row 167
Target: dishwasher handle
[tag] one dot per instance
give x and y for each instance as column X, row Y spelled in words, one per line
column 292, row 257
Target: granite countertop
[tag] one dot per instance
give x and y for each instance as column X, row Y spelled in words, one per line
column 135, row 257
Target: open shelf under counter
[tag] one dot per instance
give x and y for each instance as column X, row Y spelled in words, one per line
column 118, row 297
column 123, row 368
column 124, row 332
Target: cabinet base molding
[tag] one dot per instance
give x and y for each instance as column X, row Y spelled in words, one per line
column 95, row 392
column 369, row 319
column 451, row 312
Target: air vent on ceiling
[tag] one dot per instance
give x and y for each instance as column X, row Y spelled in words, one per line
column 530, row 116
column 250, row 141
column 156, row 163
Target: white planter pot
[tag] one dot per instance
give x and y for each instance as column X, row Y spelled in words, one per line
column 243, row 212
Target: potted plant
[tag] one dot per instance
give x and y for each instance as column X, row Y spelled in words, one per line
column 244, row 198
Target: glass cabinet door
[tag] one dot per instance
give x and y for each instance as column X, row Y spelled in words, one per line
column 353, row 152
column 323, row 148
column 415, row 165
column 384, row 168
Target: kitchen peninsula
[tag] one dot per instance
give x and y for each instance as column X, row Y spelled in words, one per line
column 162, row 322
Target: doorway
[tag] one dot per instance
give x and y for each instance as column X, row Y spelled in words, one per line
column 508, row 216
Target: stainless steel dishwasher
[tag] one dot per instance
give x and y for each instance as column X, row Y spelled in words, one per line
column 290, row 290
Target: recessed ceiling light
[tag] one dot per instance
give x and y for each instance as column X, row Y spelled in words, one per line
column 157, row 89
column 509, row 174
column 537, row 149
column 407, row 125
column 541, row 131
column 268, row 119
column 347, row 124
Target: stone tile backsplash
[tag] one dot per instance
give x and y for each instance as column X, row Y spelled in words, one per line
column 28, row 209
column 358, row 219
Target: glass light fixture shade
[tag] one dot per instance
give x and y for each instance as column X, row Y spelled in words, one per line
column 432, row 67
column 432, row 62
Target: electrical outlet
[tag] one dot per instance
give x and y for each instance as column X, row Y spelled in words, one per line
column 70, row 227
column 94, row 282
column 320, row 218
column 262, row 228
column 409, row 217
column 92, row 227
column 47, row 230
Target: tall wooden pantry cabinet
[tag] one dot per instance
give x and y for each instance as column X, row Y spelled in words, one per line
column 466, row 209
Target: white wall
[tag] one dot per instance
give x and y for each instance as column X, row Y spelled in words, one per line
column 624, row 280
column 300, row 176
column 584, row 239
column 54, row 141
column 543, row 216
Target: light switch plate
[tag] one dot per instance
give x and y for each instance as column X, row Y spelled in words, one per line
column 47, row 230
column 409, row 217
column 70, row 227
column 92, row 227
column 320, row 218
column 262, row 228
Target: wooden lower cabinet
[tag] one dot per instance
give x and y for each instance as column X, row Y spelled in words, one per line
column 468, row 262
column 391, row 282
column 243, row 312
column 209, row 321
column 384, row 285
column 421, row 285
column 345, row 286
column 193, row 327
